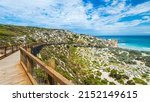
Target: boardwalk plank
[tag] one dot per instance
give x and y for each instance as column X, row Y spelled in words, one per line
column 11, row 72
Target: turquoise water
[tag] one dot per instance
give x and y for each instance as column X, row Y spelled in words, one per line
column 141, row 43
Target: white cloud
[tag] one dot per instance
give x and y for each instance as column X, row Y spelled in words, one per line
column 74, row 14
column 141, row 8
column 146, row 17
column 106, row 0
column 114, row 2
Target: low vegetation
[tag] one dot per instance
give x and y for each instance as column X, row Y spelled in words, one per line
column 83, row 59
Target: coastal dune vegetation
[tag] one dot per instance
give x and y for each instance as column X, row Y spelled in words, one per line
column 83, row 59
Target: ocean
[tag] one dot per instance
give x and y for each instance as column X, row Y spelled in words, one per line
column 141, row 43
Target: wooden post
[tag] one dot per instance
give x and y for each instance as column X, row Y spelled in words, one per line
column 21, row 60
column 16, row 47
column 12, row 49
column 5, row 51
column 29, row 50
column 22, row 57
column 29, row 65
column 52, row 64
column 25, row 47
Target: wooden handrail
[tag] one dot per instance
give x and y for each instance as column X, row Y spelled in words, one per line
column 7, row 50
column 27, row 60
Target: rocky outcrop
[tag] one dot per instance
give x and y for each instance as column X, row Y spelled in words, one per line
column 112, row 42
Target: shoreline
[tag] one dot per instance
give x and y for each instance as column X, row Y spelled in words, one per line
column 139, row 43
column 132, row 47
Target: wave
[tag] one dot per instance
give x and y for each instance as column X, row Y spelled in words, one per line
column 133, row 47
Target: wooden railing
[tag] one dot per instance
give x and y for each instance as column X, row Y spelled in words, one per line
column 7, row 50
column 38, row 71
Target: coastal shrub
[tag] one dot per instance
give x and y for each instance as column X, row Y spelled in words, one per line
column 122, row 57
column 101, row 45
column 130, row 61
column 125, row 77
column 91, row 80
column 145, row 59
column 120, row 81
column 113, row 73
column 99, row 73
column 134, row 53
column 113, row 60
column 7, row 33
column 104, row 82
column 145, row 75
column 63, row 58
column 64, row 73
column 68, row 46
column 119, row 76
column 75, row 36
column 75, row 70
column 71, row 41
column 139, row 81
column 112, row 83
column 107, row 69
column 40, row 75
column 147, row 62
column 140, row 58
column 95, row 63
column 130, row 82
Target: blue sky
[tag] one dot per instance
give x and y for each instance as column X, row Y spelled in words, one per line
column 95, row 17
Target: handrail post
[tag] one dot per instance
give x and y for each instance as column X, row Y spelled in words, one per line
column 29, row 65
column 5, row 51
column 12, row 49
column 29, row 62
column 15, row 47
column 52, row 64
column 21, row 55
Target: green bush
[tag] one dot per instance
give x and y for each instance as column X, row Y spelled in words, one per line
column 125, row 76
column 139, row 81
column 104, row 82
column 64, row 73
column 130, row 82
column 120, row 81
column 98, row 73
column 112, row 83
column 129, row 61
column 145, row 75
column 40, row 73
column 118, row 76
column 91, row 80
column 133, row 53
column 113, row 73
column 107, row 69
column 145, row 59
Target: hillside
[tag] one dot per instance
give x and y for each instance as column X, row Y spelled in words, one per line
column 88, row 65
column 10, row 34
column 91, row 61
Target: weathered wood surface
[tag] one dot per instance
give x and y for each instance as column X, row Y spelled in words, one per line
column 11, row 72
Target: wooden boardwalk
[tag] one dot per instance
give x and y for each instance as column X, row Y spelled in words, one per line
column 11, row 72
